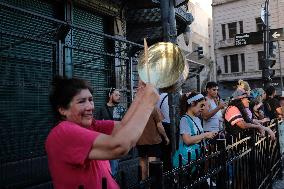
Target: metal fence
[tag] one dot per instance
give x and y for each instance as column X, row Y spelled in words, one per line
column 242, row 161
column 34, row 46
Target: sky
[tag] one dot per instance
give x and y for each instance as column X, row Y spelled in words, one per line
column 205, row 5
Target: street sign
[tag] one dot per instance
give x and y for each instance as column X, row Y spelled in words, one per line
column 242, row 39
column 262, row 14
column 276, row 34
column 257, row 37
column 248, row 38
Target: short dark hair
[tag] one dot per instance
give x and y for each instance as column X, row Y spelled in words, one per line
column 111, row 90
column 270, row 90
column 63, row 90
column 211, row 84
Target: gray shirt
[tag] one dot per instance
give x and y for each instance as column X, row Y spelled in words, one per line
column 214, row 123
column 191, row 128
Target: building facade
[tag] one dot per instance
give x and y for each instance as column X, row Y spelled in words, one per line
column 231, row 17
column 199, row 35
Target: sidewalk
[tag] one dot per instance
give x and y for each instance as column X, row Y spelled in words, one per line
column 279, row 184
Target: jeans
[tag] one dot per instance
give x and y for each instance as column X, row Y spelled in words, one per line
column 114, row 167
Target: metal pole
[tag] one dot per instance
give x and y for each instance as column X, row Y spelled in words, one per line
column 266, row 41
column 279, row 59
column 266, row 46
column 156, row 173
column 172, row 23
column 198, row 83
column 170, row 35
column 164, row 5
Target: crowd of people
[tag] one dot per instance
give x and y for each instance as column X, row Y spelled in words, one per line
column 80, row 146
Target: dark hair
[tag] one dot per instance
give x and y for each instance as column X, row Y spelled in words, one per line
column 111, row 91
column 238, row 103
column 63, row 90
column 270, row 90
column 211, row 84
column 183, row 105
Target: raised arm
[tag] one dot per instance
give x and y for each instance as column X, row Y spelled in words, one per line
column 206, row 114
column 135, row 103
column 132, row 126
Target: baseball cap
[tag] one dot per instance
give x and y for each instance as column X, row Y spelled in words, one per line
column 239, row 94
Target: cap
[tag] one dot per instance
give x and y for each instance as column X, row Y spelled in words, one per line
column 239, row 94
column 257, row 92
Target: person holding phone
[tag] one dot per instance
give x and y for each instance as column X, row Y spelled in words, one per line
column 212, row 112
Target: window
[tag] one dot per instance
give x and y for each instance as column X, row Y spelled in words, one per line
column 194, row 46
column 226, row 64
column 241, row 27
column 243, row 62
column 232, row 29
column 234, row 63
column 224, row 31
column 259, row 24
column 260, row 59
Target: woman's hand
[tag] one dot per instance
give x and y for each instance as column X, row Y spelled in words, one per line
column 148, row 93
column 264, row 120
column 167, row 140
column 210, row 135
column 261, row 131
column 270, row 132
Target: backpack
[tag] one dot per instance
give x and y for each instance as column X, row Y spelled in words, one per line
column 184, row 148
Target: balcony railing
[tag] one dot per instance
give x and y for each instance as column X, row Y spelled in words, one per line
column 220, row 2
column 225, row 43
column 240, row 75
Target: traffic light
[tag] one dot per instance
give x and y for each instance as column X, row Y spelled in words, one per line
column 272, row 49
column 269, row 63
column 267, row 74
column 200, row 52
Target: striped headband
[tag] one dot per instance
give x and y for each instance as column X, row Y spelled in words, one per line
column 194, row 98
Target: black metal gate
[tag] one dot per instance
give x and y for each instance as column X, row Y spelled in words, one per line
column 34, row 46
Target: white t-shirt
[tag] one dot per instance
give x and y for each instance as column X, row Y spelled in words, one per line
column 213, row 123
column 164, row 107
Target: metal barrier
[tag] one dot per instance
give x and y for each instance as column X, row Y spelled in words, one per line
column 34, row 46
column 242, row 161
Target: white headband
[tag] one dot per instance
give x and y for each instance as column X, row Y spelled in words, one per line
column 194, row 98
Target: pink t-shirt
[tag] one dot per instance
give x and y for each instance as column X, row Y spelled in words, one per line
column 68, row 146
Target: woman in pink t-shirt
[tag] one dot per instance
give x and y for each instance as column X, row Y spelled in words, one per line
column 78, row 147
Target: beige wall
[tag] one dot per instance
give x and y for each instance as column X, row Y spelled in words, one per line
column 199, row 33
column 243, row 10
column 200, row 30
